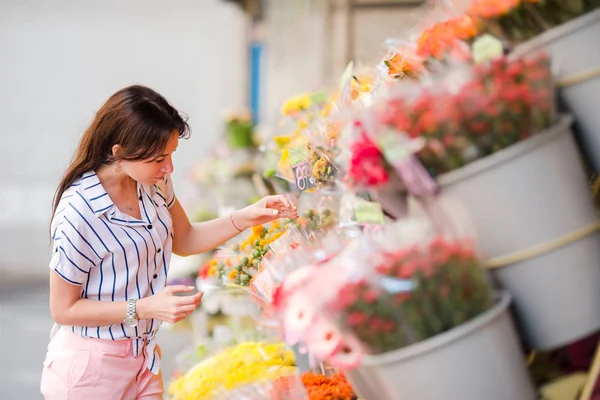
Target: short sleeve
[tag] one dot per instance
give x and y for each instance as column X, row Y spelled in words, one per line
column 166, row 191
column 72, row 255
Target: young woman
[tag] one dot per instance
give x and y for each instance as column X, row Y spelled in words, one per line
column 115, row 223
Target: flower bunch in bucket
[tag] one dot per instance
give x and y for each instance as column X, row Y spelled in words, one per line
column 382, row 294
column 414, row 293
column 518, row 20
column 462, row 118
column 445, row 39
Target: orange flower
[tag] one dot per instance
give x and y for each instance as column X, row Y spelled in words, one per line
column 212, row 271
column 492, row 8
column 443, row 37
column 404, row 64
column 256, row 230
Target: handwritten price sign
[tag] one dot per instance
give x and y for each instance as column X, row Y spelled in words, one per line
column 303, row 176
column 302, row 171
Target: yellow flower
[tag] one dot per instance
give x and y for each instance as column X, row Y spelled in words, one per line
column 302, row 124
column 275, row 225
column 326, row 110
column 212, row 271
column 233, row 274
column 284, row 165
column 213, row 262
column 237, row 366
column 256, row 230
column 281, row 140
column 304, row 102
column 275, row 236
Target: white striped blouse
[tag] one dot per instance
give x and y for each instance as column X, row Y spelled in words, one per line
column 113, row 256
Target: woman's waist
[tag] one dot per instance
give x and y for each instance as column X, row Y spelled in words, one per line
column 103, row 339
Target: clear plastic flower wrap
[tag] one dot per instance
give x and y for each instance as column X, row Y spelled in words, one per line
column 234, row 367
column 383, row 294
column 465, row 113
column 318, row 211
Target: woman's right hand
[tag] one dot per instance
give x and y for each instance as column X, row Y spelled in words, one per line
column 167, row 307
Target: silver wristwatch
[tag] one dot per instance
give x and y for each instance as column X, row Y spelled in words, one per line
column 131, row 317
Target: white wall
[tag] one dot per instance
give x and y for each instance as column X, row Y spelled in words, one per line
column 61, row 59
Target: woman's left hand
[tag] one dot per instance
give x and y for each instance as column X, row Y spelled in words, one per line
column 265, row 210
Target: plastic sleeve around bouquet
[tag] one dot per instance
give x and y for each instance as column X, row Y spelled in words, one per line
column 322, row 137
column 237, row 366
column 412, row 286
column 466, row 112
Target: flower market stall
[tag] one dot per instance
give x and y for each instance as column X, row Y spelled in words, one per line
column 448, row 241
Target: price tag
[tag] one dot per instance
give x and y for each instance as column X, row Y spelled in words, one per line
column 303, row 176
column 486, row 48
column 301, row 168
column 368, row 212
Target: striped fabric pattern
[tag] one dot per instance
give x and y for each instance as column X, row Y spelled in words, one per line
column 113, row 256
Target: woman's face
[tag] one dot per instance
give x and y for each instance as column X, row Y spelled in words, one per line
column 149, row 172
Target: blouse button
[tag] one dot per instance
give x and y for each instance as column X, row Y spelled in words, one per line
column 158, row 251
column 155, row 276
column 140, row 198
column 149, row 226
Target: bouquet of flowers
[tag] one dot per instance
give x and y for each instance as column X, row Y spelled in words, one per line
column 239, row 263
column 497, row 105
column 244, row 364
column 416, row 292
column 317, row 386
column 379, row 295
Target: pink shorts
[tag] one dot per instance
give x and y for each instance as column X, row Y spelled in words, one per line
column 97, row 369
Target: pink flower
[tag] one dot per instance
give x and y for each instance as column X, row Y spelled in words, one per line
column 357, row 319
column 323, row 338
column 349, row 354
column 298, row 316
column 370, row 296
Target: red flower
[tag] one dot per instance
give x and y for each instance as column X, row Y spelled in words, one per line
column 367, row 167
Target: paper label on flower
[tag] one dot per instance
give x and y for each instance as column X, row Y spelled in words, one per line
column 347, row 75
column 392, row 147
column 298, row 154
column 398, row 149
column 367, row 212
column 486, row 48
column 346, row 83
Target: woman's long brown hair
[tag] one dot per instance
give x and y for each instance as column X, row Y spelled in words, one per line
column 138, row 119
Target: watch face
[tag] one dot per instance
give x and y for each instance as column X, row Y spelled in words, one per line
column 132, row 322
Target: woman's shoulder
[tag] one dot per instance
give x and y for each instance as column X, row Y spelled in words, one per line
column 74, row 203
